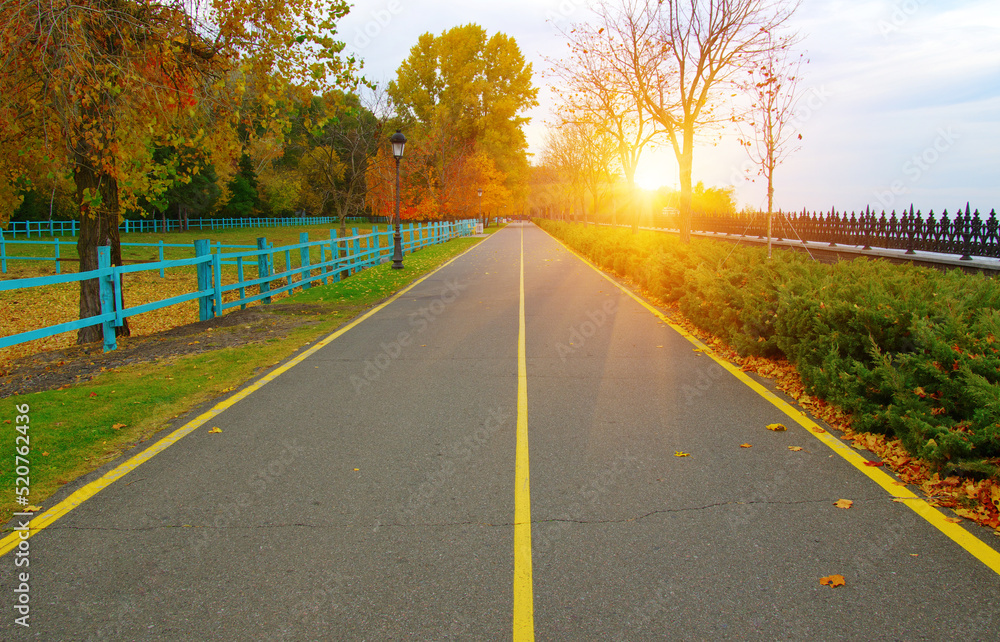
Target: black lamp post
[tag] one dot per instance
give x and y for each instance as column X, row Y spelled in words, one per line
column 481, row 208
column 398, row 145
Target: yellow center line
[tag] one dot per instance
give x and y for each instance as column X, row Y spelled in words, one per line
column 524, row 601
column 972, row 544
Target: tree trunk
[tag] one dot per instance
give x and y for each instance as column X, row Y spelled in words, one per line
column 685, row 162
column 770, row 206
column 98, row 227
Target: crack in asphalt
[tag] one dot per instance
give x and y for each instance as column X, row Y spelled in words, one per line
column 378, row 524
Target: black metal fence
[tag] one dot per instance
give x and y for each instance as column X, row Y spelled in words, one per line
column 966, row 233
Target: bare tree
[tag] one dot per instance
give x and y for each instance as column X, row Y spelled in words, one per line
column 596, row 91
column 563, row 154
column 584, row 154
column 771, row 83
column 679, row 56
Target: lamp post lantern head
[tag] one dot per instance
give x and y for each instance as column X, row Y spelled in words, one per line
column 398, row 144
column 480, row 193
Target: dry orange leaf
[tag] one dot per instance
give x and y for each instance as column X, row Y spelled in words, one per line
column 678, row 453
column 117, row 426
column 746, row 445
column 795, row 448
column 216, row 429
column 776, row 427
column 843, row 503
column 32, row 509
column 875, row 464
column 832, row 581
column 953, row 520
column 818, row 430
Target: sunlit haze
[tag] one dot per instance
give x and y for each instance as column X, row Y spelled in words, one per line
column 900, row 102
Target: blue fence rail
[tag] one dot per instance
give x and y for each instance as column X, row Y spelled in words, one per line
column 57, row 246
column 71, row 228
column 343, row 255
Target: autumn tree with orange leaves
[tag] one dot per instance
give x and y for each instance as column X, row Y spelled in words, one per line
column 460, row 98
column 92, row 88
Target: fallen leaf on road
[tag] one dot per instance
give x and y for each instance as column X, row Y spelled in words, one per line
column 776, row 427
column 875, row 464
column 953, row 520
column 818, row 430
column 356, row 469
column 843, row 503
column 914, row 554
column 32, row 509
column 795, row 448
column 832, row 581
column 216, row 429
column 678, row 453
column 746, row 445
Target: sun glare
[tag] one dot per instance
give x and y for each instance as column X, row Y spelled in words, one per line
column 653, row 173
column 649, row 180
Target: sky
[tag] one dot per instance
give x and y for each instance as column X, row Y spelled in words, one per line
column 899, row 103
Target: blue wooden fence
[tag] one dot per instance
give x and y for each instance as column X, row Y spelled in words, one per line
column 337, row 256
column 71, row 228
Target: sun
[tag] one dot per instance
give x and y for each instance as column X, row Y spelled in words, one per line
column 653, row 173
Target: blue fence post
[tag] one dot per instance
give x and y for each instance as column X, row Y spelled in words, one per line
column 357, row 249
column 263, row 270
column 304, row 261
column 161, row 257
column 106, row 284
column 217, row 283
column 57, row 253
column 239, row 276
column 3, row 254
column 203, row 247
column 322, row 259
column 335, row 253
column 377, row 253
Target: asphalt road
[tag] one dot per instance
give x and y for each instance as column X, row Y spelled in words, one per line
column 368, row 493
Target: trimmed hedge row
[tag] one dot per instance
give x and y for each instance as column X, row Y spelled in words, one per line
column 908, row 351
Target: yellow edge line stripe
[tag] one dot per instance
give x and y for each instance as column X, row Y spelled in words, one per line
column 48, row 517
column 976, row 547
column 524, row 607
